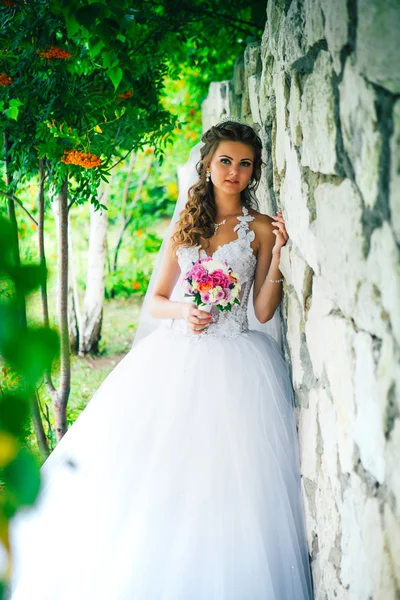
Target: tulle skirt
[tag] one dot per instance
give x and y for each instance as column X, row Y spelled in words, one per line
column 179, row 481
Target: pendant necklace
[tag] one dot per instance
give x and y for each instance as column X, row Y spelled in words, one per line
column 216, row 225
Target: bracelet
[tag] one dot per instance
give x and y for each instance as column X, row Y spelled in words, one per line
column 274, row 280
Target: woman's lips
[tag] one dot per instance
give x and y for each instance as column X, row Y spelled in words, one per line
column 233, row 182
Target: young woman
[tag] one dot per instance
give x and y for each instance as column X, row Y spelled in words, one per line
column 180, row 480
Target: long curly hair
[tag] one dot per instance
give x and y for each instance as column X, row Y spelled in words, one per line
column 197, row 218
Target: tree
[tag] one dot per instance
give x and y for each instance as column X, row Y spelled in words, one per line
column 92, row 313
column 82, row 88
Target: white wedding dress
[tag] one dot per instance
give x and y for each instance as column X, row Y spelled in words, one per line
column 180, row 480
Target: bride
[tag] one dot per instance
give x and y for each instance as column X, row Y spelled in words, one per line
column 181, row 480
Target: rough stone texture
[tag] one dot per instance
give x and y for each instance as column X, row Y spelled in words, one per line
column 339, row 241
column 317, row 118
column 395, row 171
column 319, row 90
column 378, row 48
column 217, row 102
column 336, row 19
column 361, row 136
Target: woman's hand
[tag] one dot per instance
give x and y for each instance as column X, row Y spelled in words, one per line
column 191, row 315
column 281, row 233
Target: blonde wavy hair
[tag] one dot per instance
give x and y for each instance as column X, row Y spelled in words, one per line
column 197, row 218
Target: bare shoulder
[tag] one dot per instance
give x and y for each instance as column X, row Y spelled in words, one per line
column 262, row 224
column 263, row 229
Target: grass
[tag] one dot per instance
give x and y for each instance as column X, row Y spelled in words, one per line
column 119, row 326
column 120, row 320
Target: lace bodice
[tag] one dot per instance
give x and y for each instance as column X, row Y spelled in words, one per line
column 239, row 255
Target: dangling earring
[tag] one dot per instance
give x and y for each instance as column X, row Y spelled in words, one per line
column 208, row 176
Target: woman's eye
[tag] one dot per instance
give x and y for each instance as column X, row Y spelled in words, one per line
column 245, row 164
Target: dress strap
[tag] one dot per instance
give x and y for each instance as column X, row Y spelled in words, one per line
column 243, row 226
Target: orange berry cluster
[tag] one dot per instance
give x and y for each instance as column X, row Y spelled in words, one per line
column 9, row 3
column 5, row 79
column 54, row 52
column 127, row 94
column 83, row 159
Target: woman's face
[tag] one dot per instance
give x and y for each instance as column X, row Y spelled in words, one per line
column 232, row 166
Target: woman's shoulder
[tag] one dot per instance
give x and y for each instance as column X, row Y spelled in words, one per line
column 262, row 227
column 261, row 222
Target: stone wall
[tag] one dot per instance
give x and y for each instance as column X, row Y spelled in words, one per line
column 323, row 91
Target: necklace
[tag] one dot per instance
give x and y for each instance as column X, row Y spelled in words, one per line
column 216, row 225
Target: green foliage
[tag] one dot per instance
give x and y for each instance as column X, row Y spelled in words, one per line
column 70, row 101
column 26, row 352
column 133, row 279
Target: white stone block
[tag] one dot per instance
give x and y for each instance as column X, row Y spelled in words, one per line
column 354, row 565
column 318, row 119
column 392, row 464
column 329, row 342
column 291, row 44
column 373, row 539
column 328, row 527
column 294, row 326
column 392, row 539
column 395, row 172
column 274, row 16
column 339, row 241
column 321, row 306
column 339, row 365
column 368, row 312
column 254, row 96
column 369, row 422
column 294, row 106
column 216, row 104
column 361, row 135
column 308, row 437
column 328, row 429
column 336, row 19
column 293, row 195
column 313, row 23
column 310, row 522
column 378, row 48
column 383, row 269
column 281, row 93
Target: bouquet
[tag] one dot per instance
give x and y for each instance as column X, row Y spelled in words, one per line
column 212, row 282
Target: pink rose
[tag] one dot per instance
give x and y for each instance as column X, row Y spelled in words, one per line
column 219, row 278
column 199, row 273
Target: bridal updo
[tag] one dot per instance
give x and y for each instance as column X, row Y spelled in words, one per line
column 197, row 218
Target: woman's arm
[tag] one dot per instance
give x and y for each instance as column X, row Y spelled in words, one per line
column 160, row 306
column 266, row 295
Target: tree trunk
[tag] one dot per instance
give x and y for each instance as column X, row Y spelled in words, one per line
column 38, row 425
column 73, row 299
column 35, row 407
column 61, row 400
column 13, row 221
column 92, row 313
column 74, row 317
